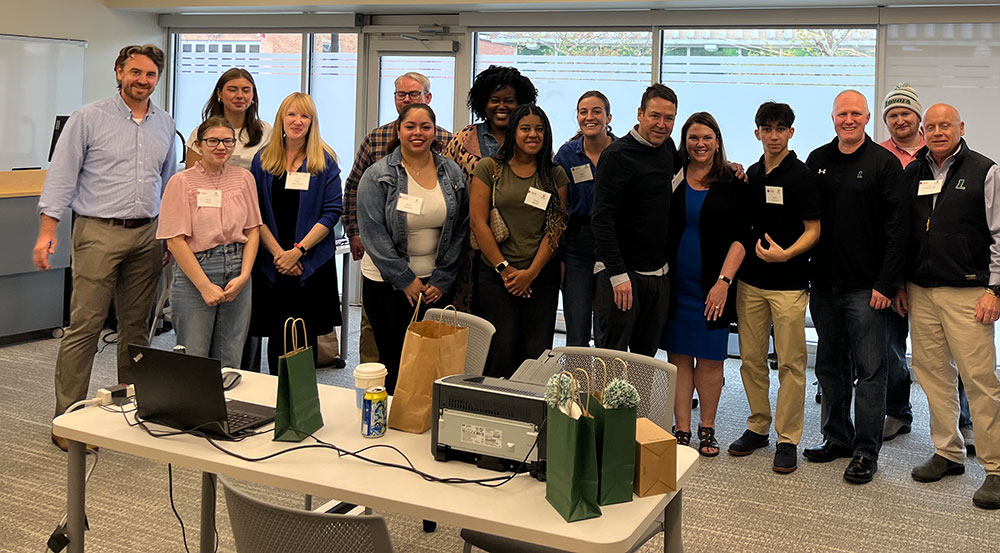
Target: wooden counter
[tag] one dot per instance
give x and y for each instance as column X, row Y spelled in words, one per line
column 18, row 184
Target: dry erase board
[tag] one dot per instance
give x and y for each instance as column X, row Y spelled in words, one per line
column 40, row 78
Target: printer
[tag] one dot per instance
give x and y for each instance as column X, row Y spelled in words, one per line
column 491, row 422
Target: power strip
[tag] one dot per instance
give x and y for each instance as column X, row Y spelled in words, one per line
column 117, row 394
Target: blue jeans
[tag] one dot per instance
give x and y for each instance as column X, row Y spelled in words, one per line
column 216, row 331
column 578, row 286
column 964, row 417
column 897, row 397
column 849, row 329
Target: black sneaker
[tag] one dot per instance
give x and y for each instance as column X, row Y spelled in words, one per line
column 785, row 458
column 749, row 442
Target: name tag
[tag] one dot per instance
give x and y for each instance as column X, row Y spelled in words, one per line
column 410, row 204
column 582, row 173
column 297, row 181
column 209, row 198
column 537, row 198
column 928, row 187
column 774, row 195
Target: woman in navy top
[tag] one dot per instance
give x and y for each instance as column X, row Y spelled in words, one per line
column 579, row 157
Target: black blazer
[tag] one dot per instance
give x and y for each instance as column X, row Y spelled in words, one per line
column 723, row 221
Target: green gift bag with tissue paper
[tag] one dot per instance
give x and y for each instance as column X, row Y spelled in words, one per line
column 614, row 420
column 571, row 453
column 297, row 412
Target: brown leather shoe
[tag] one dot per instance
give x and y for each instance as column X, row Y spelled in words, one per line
column 63, row 443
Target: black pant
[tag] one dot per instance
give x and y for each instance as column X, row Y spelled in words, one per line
column 390, row 312
column 638, row 329
column 525, row 326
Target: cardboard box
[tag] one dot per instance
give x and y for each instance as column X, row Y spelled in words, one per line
column 655, row 459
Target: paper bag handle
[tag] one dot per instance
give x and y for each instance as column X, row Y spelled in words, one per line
column 295, row 334
column 624, row 366
column 445, row 310
column 586, row 375
column 604, row 366
column 416, row 309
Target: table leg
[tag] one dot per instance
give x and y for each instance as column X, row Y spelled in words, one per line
column 673, row 542
column 207, row 534
column 345, row 304
column 76, row 489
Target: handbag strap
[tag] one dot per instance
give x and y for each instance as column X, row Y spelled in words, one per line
column 496, row 182
column 416, row 309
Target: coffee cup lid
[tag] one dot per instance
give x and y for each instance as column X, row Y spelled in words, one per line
column 367, row 370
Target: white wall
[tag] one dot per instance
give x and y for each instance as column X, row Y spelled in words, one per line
column 105, row 31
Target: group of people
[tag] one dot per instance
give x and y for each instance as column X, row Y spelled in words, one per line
column 652, row 245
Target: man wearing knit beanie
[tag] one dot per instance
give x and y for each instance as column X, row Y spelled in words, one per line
column 901, row 111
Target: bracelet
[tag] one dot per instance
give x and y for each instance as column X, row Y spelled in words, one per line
column 301, row 248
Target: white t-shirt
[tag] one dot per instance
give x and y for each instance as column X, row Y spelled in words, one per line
column 423, row 233
column 242, row 155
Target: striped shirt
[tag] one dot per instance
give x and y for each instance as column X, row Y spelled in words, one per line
column 374, row 147
column 108, row 165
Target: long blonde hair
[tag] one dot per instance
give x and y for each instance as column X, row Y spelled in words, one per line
column 273, row 156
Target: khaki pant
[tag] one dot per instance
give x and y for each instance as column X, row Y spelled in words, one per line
column 943, row 325
column 109, row 262
column 756, row 310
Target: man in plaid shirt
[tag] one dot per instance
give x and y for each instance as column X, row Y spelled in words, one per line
column 411, row 88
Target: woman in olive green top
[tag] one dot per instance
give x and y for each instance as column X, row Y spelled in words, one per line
column 519, row 288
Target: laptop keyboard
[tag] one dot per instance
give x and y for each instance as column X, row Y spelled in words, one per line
column 238, row 419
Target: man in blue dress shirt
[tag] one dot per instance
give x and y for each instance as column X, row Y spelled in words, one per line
column 109, row 167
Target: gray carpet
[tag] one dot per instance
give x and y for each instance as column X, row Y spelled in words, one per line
column 731, row 504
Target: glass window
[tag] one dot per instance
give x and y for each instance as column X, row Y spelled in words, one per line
column 334, row 89
column 730, row 72
column 275, row 60
column 440, row 70
column 227, row 48
column 564, row 65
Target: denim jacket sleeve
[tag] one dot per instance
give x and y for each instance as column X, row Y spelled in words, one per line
column 376, row 191
column 449, row 258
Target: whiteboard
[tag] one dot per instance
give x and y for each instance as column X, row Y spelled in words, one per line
column 39, row 79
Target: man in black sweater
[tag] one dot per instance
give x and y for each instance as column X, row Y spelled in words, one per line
column 856, row 268
column 953, row 280
column 631, row 201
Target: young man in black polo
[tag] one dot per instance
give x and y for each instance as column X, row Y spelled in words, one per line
column 784, row 210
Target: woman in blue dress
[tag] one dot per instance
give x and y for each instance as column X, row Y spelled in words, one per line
column 706, row 230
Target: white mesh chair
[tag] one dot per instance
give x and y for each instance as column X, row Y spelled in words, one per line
column 481, row 334
column 655, row 381
column 259, row 527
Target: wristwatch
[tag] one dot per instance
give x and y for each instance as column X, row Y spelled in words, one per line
column 301, row 248
column 501, row 266
column 726, row 279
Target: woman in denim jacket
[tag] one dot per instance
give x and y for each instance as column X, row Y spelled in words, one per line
column 413, row 216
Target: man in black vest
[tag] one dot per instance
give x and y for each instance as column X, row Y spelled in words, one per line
column 953, row 280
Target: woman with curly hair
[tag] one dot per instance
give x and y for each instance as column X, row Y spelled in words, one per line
column 495, row 94
column 518, row 280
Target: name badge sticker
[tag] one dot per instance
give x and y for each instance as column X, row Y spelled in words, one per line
column 774, row 195
column 582, row 173
column 537, row 198
column 929, row 187
column 410, row 204
column 209, row 198
column 297, row 181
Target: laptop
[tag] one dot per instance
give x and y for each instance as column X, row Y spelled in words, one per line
column 185, row 392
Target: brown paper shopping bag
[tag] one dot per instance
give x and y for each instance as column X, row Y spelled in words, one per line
column 431, row 350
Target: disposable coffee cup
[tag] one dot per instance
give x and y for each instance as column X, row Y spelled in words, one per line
column 367, row 375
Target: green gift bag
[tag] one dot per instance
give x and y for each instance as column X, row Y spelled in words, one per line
column 571, row 464
column 615, row 431
column 296, row 413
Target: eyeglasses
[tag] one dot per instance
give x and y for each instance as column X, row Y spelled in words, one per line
column 413, row 94
column 214, row 142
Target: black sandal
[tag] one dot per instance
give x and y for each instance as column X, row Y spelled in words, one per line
column 707, row 436
column 683, row 438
